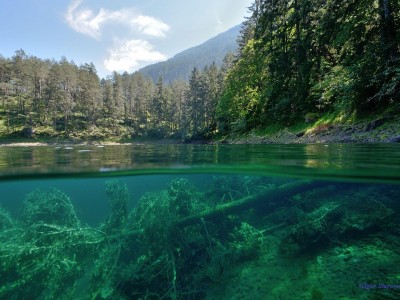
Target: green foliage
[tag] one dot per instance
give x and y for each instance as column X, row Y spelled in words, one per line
column 118, row 195
column 51, row 206
column 240, row 101
column 174, row 260
column 246, row 241
column 5, row 220
column 359, row 213
column 60, row 99
column 335, row 91
column 225, row 189
column 185, row 199
column 298, row 57
column 155, row 253
column 45, row 255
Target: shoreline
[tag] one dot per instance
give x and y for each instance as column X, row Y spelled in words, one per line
column 382, row 130
column 58, row 143
column 66, row 142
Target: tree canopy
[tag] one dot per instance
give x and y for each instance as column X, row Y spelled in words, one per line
column 307, row 56
column 61, row 98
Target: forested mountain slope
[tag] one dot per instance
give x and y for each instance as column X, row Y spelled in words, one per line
column 180, row 66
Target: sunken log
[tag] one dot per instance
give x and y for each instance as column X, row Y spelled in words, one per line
column 248, row 202
column 237, row 206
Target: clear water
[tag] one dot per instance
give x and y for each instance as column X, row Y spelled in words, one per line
column 200, row 222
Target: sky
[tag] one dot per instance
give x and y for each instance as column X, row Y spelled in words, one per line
column 116, row 35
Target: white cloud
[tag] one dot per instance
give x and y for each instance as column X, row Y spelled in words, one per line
column 150, row 26
column 127, row 56
column 86, row 22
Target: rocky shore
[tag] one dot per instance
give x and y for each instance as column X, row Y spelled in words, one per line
column 382, row 130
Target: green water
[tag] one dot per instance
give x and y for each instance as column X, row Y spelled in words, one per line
column 200, row 222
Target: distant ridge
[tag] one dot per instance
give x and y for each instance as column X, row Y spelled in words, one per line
column 181, row 65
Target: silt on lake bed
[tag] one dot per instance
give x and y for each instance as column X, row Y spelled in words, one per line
column 200, row 222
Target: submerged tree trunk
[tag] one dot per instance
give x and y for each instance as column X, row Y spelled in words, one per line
column 248, row 202
column 245, row 203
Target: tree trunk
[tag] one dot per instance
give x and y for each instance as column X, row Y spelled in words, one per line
column 248, row 202
column 65, row 121
column 8, row 121
column 238, row 206
column 388, row 29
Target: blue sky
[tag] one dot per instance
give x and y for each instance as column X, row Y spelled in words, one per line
column 119, row 35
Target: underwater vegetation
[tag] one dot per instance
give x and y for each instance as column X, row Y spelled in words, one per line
column 243, row 237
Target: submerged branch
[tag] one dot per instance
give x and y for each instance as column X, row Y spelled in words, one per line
column 282, row 191
column 245, row 203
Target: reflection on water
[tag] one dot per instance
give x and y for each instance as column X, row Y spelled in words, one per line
column 375, row 162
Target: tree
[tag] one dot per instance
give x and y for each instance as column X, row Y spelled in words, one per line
column 62, row 91
column 108, row 100
column 39, row 76
column 248, row 27
column 195, row 103
column 118, row 97
column 20, row 80
column 239, row 105
column 127, row 88
column 388, row 28
column 304, row 56
column 158, row 101
column 212, row 85
column 6, row 89
column 89, row 93
column 180, row 107
column 142, row 94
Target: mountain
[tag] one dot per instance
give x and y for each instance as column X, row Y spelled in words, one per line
column 181, row 65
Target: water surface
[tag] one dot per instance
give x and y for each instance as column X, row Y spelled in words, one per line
column 341, row 161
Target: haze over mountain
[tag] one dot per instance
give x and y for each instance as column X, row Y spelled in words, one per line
column 181, row 65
